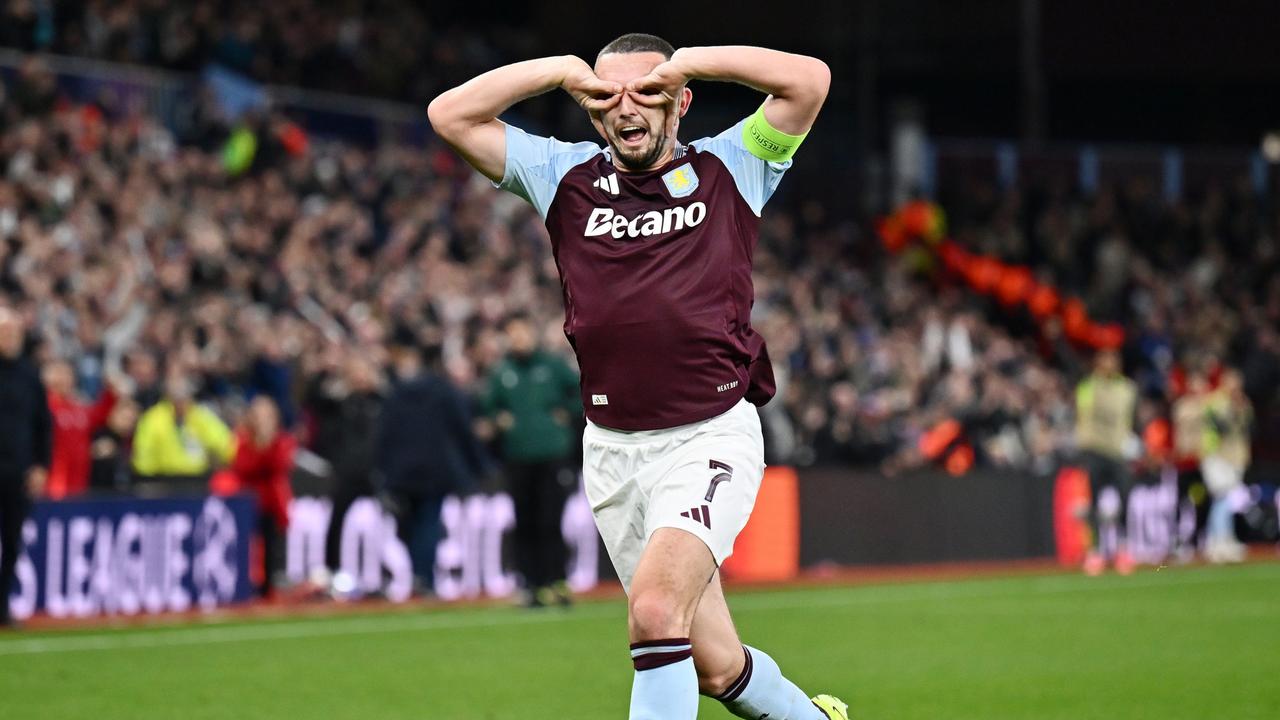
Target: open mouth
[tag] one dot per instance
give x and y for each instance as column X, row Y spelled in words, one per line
column 632, row 135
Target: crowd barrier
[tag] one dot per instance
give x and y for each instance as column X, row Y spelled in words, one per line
column 141, row 556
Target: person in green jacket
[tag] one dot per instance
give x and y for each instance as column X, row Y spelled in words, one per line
column 532, row 400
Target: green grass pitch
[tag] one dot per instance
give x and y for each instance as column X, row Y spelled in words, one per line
column 1193, row 643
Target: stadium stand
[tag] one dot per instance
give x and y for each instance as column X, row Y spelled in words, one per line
column 132, row 249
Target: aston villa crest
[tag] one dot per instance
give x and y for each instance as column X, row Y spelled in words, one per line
column 681, row 181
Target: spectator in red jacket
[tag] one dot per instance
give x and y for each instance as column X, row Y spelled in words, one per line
column 74, row 423
column 262, row 463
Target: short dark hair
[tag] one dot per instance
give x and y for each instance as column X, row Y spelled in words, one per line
column 638, row 42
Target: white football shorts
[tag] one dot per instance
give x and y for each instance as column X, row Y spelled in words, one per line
column 702, row 478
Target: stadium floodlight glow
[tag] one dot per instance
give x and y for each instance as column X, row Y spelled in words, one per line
column 1271, row 147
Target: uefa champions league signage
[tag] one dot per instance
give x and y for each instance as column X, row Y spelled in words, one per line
column 131, row 556
column 126, row 556
column 470, row 561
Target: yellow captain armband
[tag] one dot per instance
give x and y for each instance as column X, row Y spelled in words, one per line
column 767, row 142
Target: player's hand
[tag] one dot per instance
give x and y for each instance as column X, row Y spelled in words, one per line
column 589, row 91
column 661, row 86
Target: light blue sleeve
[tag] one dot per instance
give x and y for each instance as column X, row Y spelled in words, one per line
column 756, row 179
column 535, row 165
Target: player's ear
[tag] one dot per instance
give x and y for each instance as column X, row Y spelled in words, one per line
column 686, row 98
column 598, row 123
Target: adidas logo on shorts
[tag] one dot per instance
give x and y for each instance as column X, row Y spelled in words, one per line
column 702, row 515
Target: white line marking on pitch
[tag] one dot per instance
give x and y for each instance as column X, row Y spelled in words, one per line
column 766, row 601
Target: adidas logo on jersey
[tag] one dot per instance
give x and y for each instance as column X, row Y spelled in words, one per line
column 604, row 221
column 607, row 184
column 702, row 515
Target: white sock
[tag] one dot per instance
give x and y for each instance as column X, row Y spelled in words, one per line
column 666, row 684
column 762, row 691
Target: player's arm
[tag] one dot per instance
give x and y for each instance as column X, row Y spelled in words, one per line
column 466, row 117
column 797, row 85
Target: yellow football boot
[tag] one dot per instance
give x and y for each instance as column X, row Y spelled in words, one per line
column 834, row 709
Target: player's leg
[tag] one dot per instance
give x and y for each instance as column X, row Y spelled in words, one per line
column 718, row 654
column 746, row 679
column 710, row 490
column 669, row 582
column 649, row 566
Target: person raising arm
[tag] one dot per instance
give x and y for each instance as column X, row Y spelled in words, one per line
column 466, row 117
column 654, row 240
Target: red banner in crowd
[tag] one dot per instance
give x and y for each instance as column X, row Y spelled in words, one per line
column 923, row 224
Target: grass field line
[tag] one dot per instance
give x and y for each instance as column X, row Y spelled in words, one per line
column 221, row 633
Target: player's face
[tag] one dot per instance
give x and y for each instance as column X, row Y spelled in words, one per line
column 640, row 136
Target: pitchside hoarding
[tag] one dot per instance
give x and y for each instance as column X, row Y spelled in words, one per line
column 132, row 556
column 473, row 559
column 128, row 556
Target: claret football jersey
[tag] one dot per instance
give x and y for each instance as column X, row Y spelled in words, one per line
column 655, row 268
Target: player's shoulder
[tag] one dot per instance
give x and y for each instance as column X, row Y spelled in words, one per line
column 728, row 141
column 755, row 178
column 743, row 145
column 536, row 165
column 536, row 149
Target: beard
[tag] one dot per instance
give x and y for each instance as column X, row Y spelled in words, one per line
column 642, row 158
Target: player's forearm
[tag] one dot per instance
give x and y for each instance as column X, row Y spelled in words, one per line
column 781, row 74
column 798, row 84
column 484, row 98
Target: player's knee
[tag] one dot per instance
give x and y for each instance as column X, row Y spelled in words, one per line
column 657, row 615
column 715, row 678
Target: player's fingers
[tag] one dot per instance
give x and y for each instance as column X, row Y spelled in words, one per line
column 648, row 83
column 596, row 87
column 601, row 104
column 651, row 99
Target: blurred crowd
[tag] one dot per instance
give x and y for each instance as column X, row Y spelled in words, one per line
column 149, row 265
column 142, row 260
column 365, row 47
column 243, row 302
column 1195, row 284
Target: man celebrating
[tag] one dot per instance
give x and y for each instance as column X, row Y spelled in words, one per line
column 654, row 242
